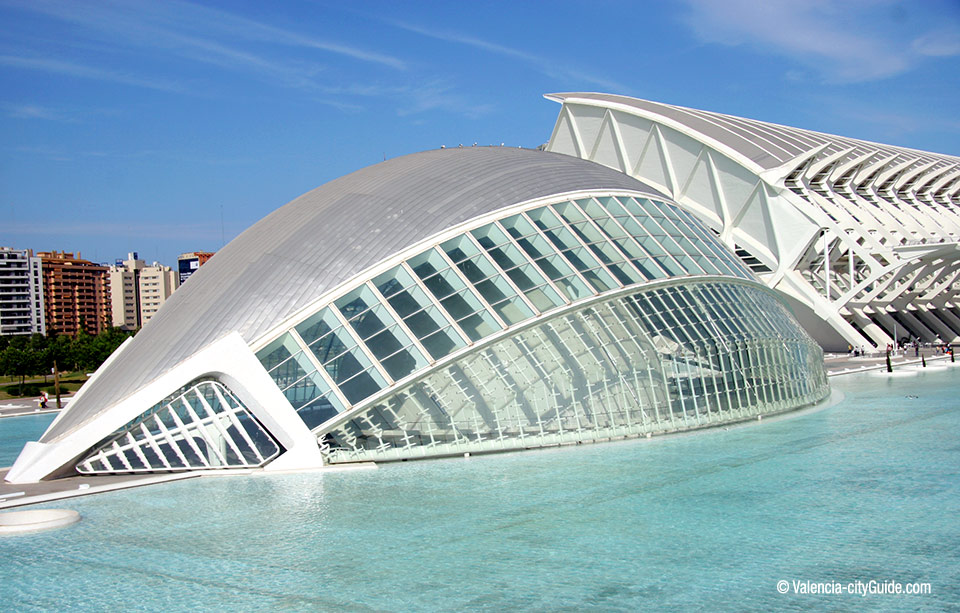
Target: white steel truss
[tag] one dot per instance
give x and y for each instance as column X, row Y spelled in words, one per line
column 865, row 236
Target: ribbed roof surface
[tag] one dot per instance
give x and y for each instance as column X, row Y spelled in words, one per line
column 323, row 238
column 767, row 144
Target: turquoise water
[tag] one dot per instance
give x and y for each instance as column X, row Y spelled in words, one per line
column 865, row 490
column 14, row 431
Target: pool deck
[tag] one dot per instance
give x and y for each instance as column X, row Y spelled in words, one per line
column 17, row 495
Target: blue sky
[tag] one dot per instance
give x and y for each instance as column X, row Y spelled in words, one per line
column 139, row 126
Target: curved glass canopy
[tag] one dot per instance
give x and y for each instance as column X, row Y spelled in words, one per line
column 479, row 283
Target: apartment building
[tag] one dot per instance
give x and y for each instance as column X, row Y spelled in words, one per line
column 76, row 293
column 21, row 292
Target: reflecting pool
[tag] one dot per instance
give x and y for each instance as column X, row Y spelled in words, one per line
column 14, row 431
column 867, row 489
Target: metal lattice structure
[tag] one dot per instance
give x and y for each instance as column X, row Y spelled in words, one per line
column 862, row 237
column 458, row 300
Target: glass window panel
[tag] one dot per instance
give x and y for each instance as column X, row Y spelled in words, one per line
column 401, row 364
column 544, row 218
column 600, row 279
column 356, row 301
column 593, row 209
column 569, row 212
column 461, row 305
column 544, row 298
column 459, row 248
column 513, row 310
column 494, row 289
column 427, row 263
column 526, row 277
column 489, row 236
column 611, row 228
column 573, row 287
column 634, row 207
column 426, row 322
column 387, row 342
column 371, row 322
column 361, row 386
column 444, row 283
column 581, row 259
column 317, row 325
column 442, row 343
column 479, row 325
column 277, row 352
column 587, row 233
column 348, row 365
column 477, row 268
column 649, row 269
column 517, row 226
column 408, row 301
column 615, row 206
column 393, row 281
column 507, row 256
column 319, row 410
column 332, row 345
column 562, row 238
column 650, row 246
column 606, row 253
column 536, row 246
column 624, row 274
column 554, row 267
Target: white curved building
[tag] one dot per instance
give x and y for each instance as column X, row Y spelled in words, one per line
column 862, row 237
column 445, row 302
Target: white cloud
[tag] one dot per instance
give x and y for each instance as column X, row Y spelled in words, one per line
column 548, row 67
column 842, row 40
column 81, row 71
column 33, row 111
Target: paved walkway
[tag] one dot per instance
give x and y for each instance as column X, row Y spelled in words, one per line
column 845, row 364
column 17, row 407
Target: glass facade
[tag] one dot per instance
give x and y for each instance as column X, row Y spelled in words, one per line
column 479, row 283
column 565, row 321
column 202, row 426
column 669, row 358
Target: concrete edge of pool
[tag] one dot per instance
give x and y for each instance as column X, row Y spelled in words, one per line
column 36, row 520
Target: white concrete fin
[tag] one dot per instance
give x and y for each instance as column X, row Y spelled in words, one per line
column 702, row 191
column 606, row 149
column 683, row 153
column 634, row 132
column 564, row 139
column 754, row 220
column 652, row 166
column 588, row 120
column 736, row 182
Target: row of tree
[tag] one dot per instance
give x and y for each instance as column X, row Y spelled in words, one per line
column 27, row 356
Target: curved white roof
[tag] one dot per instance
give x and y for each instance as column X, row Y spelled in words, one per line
column 324, row 238
column 768, row 145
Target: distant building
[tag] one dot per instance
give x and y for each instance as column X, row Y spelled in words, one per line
column 21, row 292
column 157, row 282
column 188, row 263
column 76, row 293
column 137, row 290
column 124, row 292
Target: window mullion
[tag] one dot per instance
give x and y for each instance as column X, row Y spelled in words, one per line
column 402, row 324
column 526, row 255
column 470, row 287
column 433, row 300
column 558, row 252
column 334, row 388
column 586, row 248
column 503, row 274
